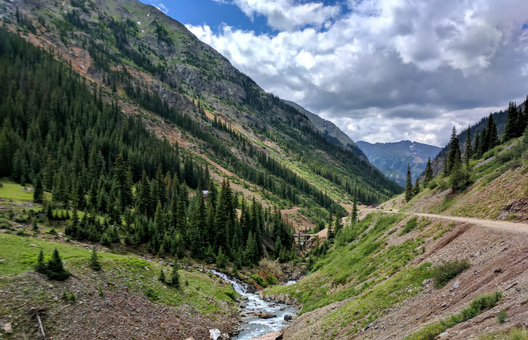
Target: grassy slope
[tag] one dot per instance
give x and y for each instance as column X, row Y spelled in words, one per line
column 20, row 257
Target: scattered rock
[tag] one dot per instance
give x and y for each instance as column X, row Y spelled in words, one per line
column 288, row 317
column 441, row 335
column 444, row 304
column 497, row 270
column 426, row 281
column 456, row 285
column 265, row 315
column 33, row 245
column 214, row 334
column 8, row 329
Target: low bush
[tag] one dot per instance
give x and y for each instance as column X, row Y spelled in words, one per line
column 259, row 280
column 411, row 224
column 445, row 272
column 501, row 316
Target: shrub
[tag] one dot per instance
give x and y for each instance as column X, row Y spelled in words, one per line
column 445, row 272
column 151, row 294
column 411, row 224
column 271, row 280
column 501, row 316
column 259, row 280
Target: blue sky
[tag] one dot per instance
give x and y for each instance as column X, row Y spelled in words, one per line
column 381, row 70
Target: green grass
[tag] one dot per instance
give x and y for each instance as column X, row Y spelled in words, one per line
column 512, row 334
column 13, row 192
column 477, row 306
column 359, row 260
column 141, row 276
column 447, row 271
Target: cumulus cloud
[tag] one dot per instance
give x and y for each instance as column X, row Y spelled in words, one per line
column 385, row 70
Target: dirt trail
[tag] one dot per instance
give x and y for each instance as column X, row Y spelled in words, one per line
column 499, row 225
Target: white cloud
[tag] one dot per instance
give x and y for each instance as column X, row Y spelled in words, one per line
column 388, row 69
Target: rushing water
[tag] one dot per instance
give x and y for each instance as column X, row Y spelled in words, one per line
column 253, row 327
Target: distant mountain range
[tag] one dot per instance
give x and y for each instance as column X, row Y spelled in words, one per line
column 392, row 158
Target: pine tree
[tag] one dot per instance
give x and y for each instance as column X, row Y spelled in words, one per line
column 338, row 225
column 477, row 147
column 354, row 216
column 492, row 135
column 41, row 266
column 454, row 151
column 221, row 260
column 408, row 184
column 161, row 276
column 469, row 148
column 512, row 121
column 38, row 193
column 416, row 188
column 175, row 277
column 428, row 173
column 94, row 260
column 55, row 269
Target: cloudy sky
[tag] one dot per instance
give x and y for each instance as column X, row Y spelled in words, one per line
column 382, row 70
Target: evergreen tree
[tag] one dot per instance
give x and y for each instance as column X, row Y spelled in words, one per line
column 38, row 192
column 175, row 277
column 512, row 121
column 161, row 276
column 221, row 259
column 338, row 224
column 41, row 266
column 416, row 188
column 454, row 151
column 476, row 147
column 469, row 148
column 354, row 216
column 428, row 173
column 492, row 135
column 94, row 260
column 55, row 269
column 408, row 184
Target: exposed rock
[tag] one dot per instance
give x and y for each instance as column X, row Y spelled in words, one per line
column 33, row 245
column 497, row 270
column 264, row 315
column 8, row 328
column 456, row 285
column 270, row 336
column 288, row 317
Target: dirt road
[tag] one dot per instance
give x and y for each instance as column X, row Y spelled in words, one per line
column 500, row 225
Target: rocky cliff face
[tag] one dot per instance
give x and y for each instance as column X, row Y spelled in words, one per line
column 392, row 158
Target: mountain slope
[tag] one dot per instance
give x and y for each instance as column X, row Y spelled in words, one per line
column 328, row 129
column 392, row 158
column 207, row 106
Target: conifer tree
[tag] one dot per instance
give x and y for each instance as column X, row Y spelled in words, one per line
column 468, row 154
column 338, row 224
column 428, row 173
column 38, row 192
column 354, row 216
column 94, row 260
column 476, row 147
column 408, row 184
column 161, row 276
column 175, row 277
column 221, row 260
column 55, row 269
column 512, row 121
column 454, row 151
column 492, row 135
column 41, row 266
column 416, row 188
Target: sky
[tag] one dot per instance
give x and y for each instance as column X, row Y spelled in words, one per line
column 381, row 70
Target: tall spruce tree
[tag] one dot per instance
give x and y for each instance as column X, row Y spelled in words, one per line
column 428, row 173
column 354, row 215
column 512, row 121
column 493, row 136
column 408, row 185
column 38, row 192
column 468, row 154
column 454, row 151
column 416, row 188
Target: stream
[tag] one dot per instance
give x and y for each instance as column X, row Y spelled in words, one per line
column 252, row 326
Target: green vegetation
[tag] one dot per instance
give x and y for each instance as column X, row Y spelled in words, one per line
column 94, row 260
column 447, row 271
column 502, row 316
column 477, row 306
column 358, row 261
column 513, row 334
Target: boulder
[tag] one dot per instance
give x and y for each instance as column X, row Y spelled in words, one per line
column 214, row 334
column 288, row 317
column 265, row 315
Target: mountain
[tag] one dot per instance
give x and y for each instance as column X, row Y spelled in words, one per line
column 392, row 158
column 329, row 130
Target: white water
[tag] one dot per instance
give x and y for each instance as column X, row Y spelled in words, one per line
column 253, row 327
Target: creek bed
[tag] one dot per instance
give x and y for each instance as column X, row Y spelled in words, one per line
column 253, row 326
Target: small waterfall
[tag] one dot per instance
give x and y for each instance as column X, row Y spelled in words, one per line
column 238, row 286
